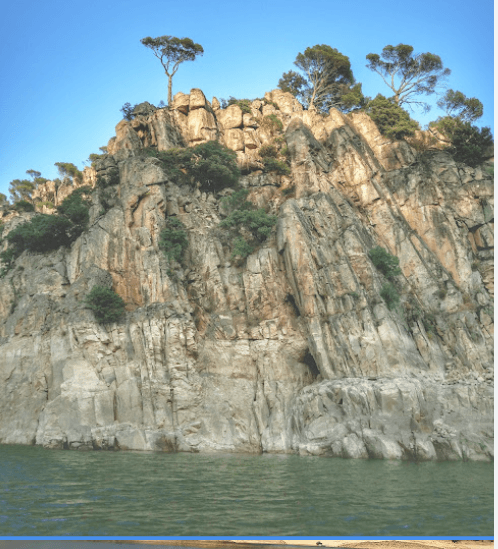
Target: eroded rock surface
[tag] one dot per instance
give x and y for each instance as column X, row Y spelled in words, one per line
column 292, row 351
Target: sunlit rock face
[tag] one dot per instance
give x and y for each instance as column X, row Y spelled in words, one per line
column 292, row 350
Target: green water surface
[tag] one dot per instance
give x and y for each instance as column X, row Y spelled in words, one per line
column 57, row 493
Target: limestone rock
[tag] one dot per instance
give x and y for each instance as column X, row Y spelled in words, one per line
column 286, row 102
column 197, row 99
column 293, row 350
column 250, row 139
column 231, row 117
column 144, row 109
column 181, row 102
column 234, row 139
column 126, row 139
column 249, row 121
column 201, row 125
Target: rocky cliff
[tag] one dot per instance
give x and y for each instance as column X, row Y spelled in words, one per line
column 291, row 350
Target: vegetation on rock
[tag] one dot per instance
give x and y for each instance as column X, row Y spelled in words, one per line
column 127, row 110
column 107, row 305
column 390, row 295
column 384, row 262
column 244, row 104
column 173, row 239
column 471, row 144
column 213, row 166
column 272, row 123
column 173, row 162
column 69, row 172
column 245, row 218
column 23, row 206
column 391, row 120
column 22, row 189
column 269, row 155
column 44, row 233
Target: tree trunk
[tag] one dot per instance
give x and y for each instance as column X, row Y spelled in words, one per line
column 170, row 88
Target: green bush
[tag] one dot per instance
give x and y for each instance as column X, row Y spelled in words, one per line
column 244, row 104
column 384, row 262
column 7, row 258
column 110, row 178
column 44, row 233
column 244, row 216
column 173, row 239
column 257, row 222
column 268, row 151
column 210, row 164
column 107, row 306
column 23, row 206
column 446, row 125
column 289, row 190
column 271, row 123
column 389, row 295
column 213, row 166
column 471, row 144
column 274, row 165
column 391, row 120
column 241, row 248
column 174, row 162
column 272, row 103
column 236, row 201
column 47, row 203
column 76, row 208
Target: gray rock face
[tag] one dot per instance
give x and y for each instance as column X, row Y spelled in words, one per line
column 292, row 351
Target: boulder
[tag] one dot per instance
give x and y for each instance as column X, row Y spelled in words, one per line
column 231, row 117
column 249, row 121
column 197, row 99
column 251, row 140
column 201, row 125
column 286, row 102
column 181, row 102
column 234, row 139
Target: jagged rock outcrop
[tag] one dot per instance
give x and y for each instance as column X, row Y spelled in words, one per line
column 292, row 351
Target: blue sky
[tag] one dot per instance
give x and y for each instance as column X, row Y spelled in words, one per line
column 68, row 67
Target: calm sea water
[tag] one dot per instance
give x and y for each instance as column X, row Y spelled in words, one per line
column 58, row 493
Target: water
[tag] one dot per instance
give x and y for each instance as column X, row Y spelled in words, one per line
column 58, row 493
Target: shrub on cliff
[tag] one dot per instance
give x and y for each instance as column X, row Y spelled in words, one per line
column 107, row 306
column 391, row 120
column 44, row 233
column 173, row 239
column 244, row 104
column 389, row 295
column 384, row 262
column 76, row 208
column 23, row 206
column 274, row 165
column 271, row 123
column 245, row 218
column 213, row 166
column 173, row 162
column 471, row 145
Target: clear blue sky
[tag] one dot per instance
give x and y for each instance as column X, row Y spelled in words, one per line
column 68, row 66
